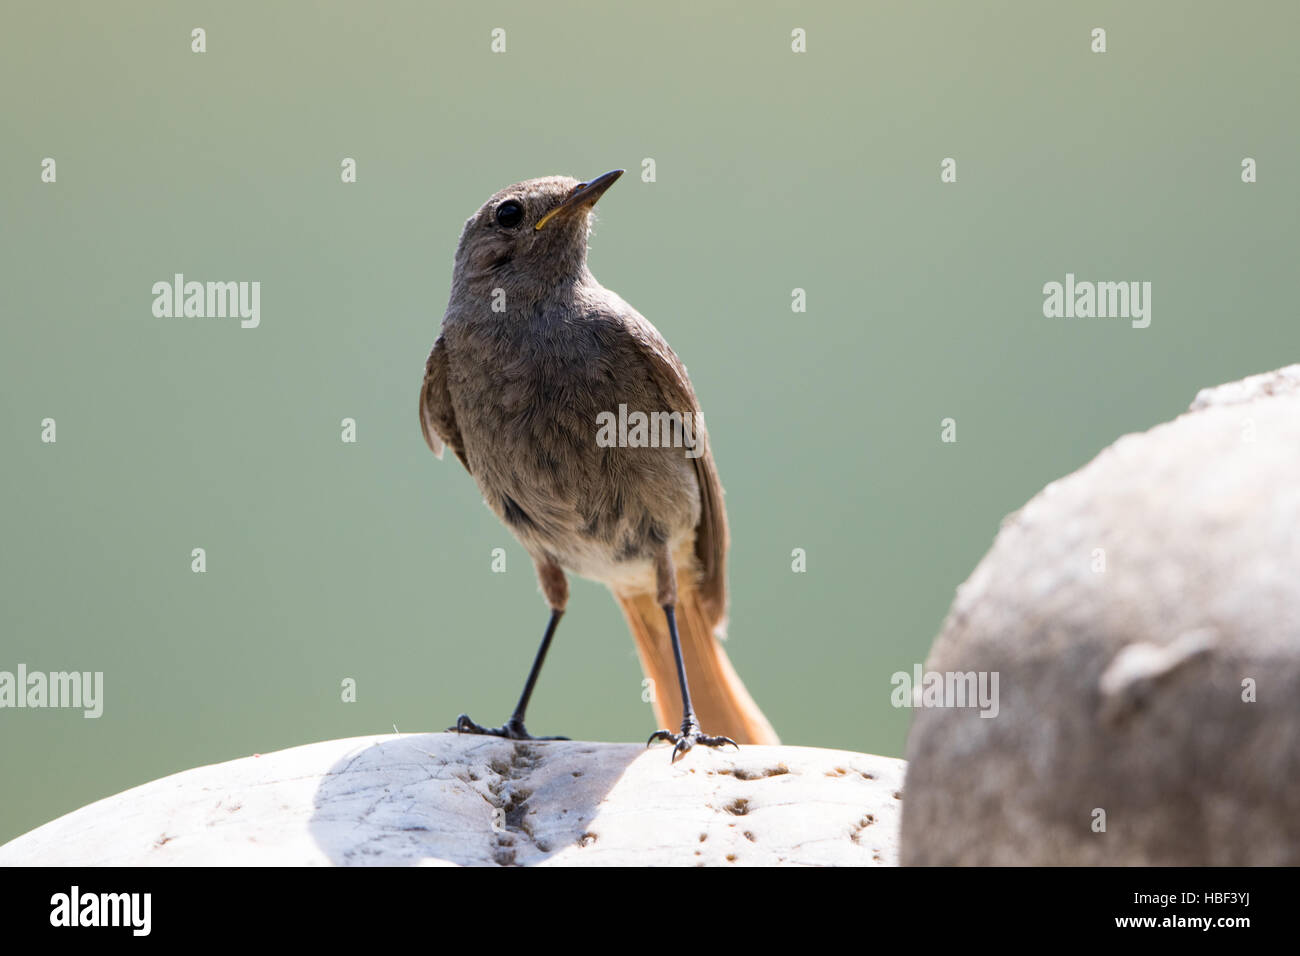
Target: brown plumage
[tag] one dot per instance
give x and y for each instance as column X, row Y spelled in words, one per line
column 533, row 351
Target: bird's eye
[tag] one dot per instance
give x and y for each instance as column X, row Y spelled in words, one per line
column 510, row 214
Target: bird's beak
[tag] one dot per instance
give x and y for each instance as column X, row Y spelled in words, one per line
column 584, row 194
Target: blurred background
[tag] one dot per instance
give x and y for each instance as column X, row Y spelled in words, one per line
column 774, row 171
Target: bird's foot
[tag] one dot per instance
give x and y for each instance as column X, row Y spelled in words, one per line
column 689, row 737
column 514, row 729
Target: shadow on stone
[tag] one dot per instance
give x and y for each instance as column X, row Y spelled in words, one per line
column 468, row 800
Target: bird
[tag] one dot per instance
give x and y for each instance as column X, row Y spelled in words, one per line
column 533, row 363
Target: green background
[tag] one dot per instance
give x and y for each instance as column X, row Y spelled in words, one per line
column 775, row 171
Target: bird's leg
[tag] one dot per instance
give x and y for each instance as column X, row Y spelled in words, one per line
column 556, row 589
column 691, row 733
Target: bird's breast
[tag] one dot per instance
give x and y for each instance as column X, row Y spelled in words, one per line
column 530, row 399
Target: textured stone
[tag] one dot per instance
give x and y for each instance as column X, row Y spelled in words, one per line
column 446, row 799
column 1122, row 690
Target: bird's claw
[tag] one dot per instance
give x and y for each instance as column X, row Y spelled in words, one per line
column 688, row 738
column 512, row 730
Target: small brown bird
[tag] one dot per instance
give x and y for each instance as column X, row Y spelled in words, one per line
column 535, row 363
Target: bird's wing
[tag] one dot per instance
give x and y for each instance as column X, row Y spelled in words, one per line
column 711, row 538
column 437, row 417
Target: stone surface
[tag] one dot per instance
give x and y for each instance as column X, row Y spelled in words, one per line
column 1122, row 691
column 440, row 799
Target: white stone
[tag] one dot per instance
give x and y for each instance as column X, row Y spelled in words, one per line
column 444, row 799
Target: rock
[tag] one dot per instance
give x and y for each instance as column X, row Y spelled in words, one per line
column 446, row 799
column 1143, row 617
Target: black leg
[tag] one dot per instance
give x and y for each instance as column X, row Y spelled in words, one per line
column 514, row 728
column 691, row 733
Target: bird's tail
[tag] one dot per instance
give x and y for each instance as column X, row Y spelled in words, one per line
column 721, row 701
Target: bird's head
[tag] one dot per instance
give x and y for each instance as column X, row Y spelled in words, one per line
column 532, row 231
